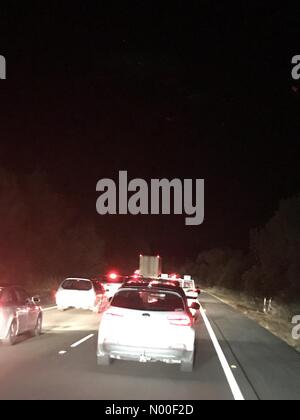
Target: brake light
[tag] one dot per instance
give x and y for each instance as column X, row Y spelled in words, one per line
column 155, row 282
column 180, row 320
column 171, row 283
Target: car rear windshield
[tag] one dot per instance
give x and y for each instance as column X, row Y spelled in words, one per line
column 148, row 301
column 72, row 284
column 188, row 284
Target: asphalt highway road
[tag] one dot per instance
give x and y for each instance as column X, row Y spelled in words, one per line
column 236, row 359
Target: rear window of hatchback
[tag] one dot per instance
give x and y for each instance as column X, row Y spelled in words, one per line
column 148, row 301
column 73, row 284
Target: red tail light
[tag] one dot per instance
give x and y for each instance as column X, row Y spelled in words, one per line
column 180, row 320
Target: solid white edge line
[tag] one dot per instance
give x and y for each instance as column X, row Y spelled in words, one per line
column 49, row 309
column 238, row 396
column 216, row 297
column 82, row 340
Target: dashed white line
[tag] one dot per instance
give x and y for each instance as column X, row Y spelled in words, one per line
column 235, row 389
column 82, row 341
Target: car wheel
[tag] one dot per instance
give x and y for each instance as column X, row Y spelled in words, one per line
column 10, row 340
column 38, row 327
column 103, row 360
column 187, row 365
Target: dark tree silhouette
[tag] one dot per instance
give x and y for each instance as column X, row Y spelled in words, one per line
column 41, row 237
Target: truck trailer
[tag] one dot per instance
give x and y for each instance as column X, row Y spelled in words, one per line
column 150, row 266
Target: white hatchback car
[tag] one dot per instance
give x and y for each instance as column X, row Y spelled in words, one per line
column 148, row 322
column 80, row 293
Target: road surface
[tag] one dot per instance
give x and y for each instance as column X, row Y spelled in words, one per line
column 235, row 358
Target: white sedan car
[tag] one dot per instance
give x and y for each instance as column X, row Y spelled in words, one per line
column 80, row 293
column 148, row 322
column 19, row 314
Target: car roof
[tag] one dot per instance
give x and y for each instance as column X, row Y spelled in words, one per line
column 150, row 284
column 76, row 278
column 103, row 278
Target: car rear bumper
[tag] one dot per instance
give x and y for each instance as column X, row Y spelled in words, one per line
column 71, row 304
column 174, row 354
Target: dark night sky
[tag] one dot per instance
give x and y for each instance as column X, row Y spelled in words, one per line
column 172, row 90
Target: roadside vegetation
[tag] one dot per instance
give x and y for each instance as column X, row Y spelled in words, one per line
column 270, row 269
column 43, row 236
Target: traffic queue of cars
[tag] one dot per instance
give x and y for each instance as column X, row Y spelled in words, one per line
column 143, row 319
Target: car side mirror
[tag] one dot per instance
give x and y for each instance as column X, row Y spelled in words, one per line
column 195, row 306
column 36, row 300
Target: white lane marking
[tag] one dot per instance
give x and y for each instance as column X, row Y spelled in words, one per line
column 49, row 309
column 82, row 341
column 219, row 299
column 228, row 373
column 62, row 352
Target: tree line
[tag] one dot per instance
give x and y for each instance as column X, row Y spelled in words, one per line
column 271, row 265
column 41, row 237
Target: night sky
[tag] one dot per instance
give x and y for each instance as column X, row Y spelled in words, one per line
column 193, row 89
